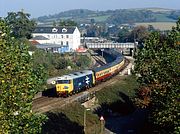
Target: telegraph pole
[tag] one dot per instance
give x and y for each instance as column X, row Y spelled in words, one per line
column 85, row 119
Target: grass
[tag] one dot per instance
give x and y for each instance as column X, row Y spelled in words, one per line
column 159, row 25
column 100, row 18
column 159, row 9
column 110, row 94
column 70, row 120
column 163, row 18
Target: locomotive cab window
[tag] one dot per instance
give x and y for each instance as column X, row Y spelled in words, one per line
column 63, row 81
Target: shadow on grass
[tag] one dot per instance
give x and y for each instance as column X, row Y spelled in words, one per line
column 123, row 106
column 122, row 117
column 60, row 124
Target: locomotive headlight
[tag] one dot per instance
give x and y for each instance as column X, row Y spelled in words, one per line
column 66, row 87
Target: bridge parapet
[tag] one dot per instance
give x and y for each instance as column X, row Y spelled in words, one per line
column 111, row 45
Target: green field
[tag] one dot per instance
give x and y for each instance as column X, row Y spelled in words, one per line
column 158, row 25
column 100, row 18
column 163, row 18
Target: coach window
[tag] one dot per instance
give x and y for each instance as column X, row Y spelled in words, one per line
column 61, row 36
column 67, row 36
column 61, row 42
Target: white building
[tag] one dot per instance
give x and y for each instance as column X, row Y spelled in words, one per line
column 68, row 37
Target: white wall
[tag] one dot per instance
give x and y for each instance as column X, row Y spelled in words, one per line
column 73, row 39
column 76, row 39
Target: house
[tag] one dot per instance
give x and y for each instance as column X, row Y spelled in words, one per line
column 61, row 37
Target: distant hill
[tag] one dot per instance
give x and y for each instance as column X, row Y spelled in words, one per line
column 118, row 16
column 155, row 9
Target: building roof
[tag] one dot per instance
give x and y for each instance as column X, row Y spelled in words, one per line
column 43, row 46
column 40, row 37
column 53, row 30
column 34, row 42
column 75, row 75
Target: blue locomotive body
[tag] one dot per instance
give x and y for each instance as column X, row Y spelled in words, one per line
column 82, row 82
column 74, row 82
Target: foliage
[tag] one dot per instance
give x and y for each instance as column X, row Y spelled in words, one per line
column 19, row 83
column 83, row 61
column 130, row 16
column 157, row 64
column 68, row 14
column 174, row 15
column 123, row 35
column 21, row 25
column 67, row 23
column 57, row 64
column 139, row 34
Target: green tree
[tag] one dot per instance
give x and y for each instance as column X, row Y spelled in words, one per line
column 139, row 33
column 67, row 23
column 21, row 25
column 83, row 61
column 54, row 23
column 123, row 35
column 19, row 83
column 158, row 65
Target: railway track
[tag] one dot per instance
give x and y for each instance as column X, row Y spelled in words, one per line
column 45, row 104
column 99, row 61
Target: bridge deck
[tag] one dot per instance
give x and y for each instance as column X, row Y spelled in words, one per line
column 111, row 45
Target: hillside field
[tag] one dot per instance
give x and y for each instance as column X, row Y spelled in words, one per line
column 158, row 25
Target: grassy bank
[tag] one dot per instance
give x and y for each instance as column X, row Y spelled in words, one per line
column 118, row 97
column 70, row 120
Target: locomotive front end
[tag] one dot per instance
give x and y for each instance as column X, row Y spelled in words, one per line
column 64, row 87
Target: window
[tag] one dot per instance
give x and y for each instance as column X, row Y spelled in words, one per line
column 67, row 43
column 64, row 30
column 54, row 30
column 61, row 36
column 61, row 42
column 67, row 36
column 63, row 82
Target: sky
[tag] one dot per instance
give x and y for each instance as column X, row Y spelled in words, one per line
column 46, row 7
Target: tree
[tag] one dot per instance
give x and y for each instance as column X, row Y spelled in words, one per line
column 139, row 33
column 54, row 23
column 158, row 67
column 123, row 35
column 19, row 83
column 21, row 25
column 67, row 23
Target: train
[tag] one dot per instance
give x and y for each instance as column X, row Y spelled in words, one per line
column 81, row 80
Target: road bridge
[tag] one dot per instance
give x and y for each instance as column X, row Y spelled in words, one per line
column 111, row 45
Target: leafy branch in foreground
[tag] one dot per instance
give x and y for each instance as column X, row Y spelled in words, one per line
column 19, row 83
column 158, row 65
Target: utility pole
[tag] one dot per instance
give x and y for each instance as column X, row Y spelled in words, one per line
column 102, row 50
column 85, row 119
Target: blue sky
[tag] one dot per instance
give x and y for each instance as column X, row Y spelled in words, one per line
column 45, row 7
